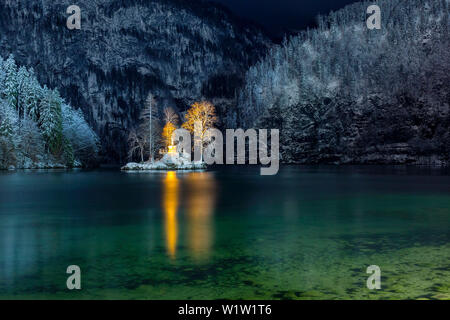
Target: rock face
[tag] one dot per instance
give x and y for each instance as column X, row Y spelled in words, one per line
column 181, row 51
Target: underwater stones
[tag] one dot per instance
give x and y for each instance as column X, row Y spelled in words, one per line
column 296, row 295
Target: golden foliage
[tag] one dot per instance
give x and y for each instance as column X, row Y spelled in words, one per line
column 205, row 113
column 168, row 130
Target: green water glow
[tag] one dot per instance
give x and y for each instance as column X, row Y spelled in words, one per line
column 307, row 233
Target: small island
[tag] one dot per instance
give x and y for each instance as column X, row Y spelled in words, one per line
column 172, row 160
column 149, row 140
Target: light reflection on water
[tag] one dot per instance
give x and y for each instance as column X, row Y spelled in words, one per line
column 308, row 232
column 200, row 191
column 201, row 195
column 170, row 205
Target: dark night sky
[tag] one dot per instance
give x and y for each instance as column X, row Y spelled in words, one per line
column 278, row 16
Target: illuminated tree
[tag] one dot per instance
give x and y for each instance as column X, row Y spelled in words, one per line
column 204, row 115
column 171, row 119
column 167, row 133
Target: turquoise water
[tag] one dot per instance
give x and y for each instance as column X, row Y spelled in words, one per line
column 307, row 233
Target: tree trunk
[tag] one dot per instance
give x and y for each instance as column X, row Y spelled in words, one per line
column 151, row 137
column 201, row 151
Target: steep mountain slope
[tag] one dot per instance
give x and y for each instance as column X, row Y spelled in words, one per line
column 345, row 94
column 179, row 50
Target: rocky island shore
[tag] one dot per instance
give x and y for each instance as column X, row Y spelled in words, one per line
column 170, row 161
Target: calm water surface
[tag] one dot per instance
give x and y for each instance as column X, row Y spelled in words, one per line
column 307, row 233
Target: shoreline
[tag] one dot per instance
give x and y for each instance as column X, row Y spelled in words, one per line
column 160, row 166
column 286, row 164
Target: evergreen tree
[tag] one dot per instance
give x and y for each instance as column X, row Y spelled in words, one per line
column 35, row 119
column 50, row 121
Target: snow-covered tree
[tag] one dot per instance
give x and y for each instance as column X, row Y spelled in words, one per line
column 11, row 86
column 170, row 116
column 82, row 138
column 8, row 134
column 149, row 117
column 35, row 123
column 137, row 144
column 50, row 121
column 2, row 78
column 31, row 142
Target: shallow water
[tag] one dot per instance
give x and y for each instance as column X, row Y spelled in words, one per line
column 307, row 233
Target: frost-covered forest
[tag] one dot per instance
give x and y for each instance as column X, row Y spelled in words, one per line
column 37, row 128
column 340, row 93
column 346, row 94
column 181, row 51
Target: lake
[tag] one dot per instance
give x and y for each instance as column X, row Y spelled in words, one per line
column 309, row 232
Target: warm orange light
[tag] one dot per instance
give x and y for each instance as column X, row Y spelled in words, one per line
column 203, row 112
column 167, row 134
column 170, row 204
column 200, row 206
column 172, row 150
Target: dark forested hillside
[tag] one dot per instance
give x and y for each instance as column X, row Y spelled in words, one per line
column 347, row 94
column 180, row 51
column 340, row 93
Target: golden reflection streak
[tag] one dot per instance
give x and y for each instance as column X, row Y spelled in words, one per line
column 201, row 197
column 170, row 205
